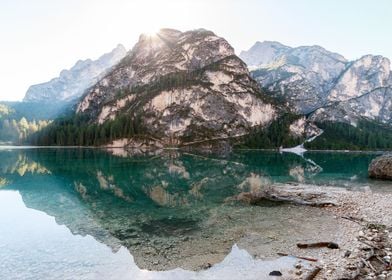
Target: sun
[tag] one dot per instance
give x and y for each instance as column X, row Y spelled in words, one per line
column 151, row 32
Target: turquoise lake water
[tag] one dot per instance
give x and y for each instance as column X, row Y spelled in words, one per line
column 93, row 214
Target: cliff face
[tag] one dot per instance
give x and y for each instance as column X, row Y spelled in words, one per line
column 364, row 89
column 324, row 84
column 301, row 76
column 73, row 82
column 182, row 87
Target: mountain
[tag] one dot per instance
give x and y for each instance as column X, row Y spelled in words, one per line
column 73, row 82
column 263, row 53
column 323, row 84
column 48, row 101
column 363, row 89
column 190, row 89
column 175, row 88
column 302, row 76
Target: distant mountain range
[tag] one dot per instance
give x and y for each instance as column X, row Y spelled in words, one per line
column 47, row 101
column 189, row 88
column 324, row 84
column 73, row 82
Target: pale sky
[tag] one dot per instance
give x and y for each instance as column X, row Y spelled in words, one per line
column 39, row 38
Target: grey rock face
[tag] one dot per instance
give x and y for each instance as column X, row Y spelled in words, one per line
column 73, row 82
column 302, row 76
column 313, row 80
column 381, row 167
column 364, row 89
column 186, row 86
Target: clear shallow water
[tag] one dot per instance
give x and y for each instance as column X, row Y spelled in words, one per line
column 89, row 214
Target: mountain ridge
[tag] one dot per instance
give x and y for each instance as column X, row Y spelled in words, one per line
column 313, row 87
column 176, row 88
column 71, row 83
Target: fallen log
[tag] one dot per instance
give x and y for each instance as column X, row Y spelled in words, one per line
column 330, row 245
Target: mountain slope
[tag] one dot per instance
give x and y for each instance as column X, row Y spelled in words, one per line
column 324, row 84
column 363, row 90
column 176, row 88
column 301, row 76
column 73, row 82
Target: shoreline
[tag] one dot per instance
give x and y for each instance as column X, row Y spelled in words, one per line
column 362, row 231
column 357, row 221
column 367, row 221
column 15, row 147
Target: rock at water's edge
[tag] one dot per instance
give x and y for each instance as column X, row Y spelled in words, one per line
column 381, row 167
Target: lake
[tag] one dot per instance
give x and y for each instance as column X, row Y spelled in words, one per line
column 95, row 214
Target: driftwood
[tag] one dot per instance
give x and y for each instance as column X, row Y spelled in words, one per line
column 353, row 219
column 368, row 264
column 298, row 257
column 298, row 201
column 330, row 245
column 379, row 259
column 275, row 196
column 313, row 273
column 369, row 244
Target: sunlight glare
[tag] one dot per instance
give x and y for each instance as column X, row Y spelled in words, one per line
column 151, row 32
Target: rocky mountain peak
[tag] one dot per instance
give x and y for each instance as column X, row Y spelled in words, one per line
column 375, row 64
column 302, row 76
column 176, row 50
column 262, row 53
column 363, row 76
column 363, row 90
column 324, row 84
column 115, row 55
column 73, row 82
column 183, row 86
column 157, row 55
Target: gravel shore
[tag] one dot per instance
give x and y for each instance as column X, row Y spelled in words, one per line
column 358, row 223
column 363, row 233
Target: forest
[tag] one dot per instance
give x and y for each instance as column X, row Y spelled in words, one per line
column 367, row 135
column 76, row 131
column 276, row 135
column 15, row 129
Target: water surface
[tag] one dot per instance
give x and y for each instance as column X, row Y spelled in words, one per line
column 92, row 214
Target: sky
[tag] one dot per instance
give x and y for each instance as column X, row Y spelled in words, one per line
column 40, row 38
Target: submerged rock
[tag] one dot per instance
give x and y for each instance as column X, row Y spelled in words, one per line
column 299, row 194
column 381, row 167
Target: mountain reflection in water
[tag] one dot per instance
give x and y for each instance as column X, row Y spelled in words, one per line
column 168, row 208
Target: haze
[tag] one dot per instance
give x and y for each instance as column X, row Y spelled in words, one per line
column 42, row 37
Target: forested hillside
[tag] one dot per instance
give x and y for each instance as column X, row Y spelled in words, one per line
column 18, row 121
column 367, row 135
column 276, row 135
